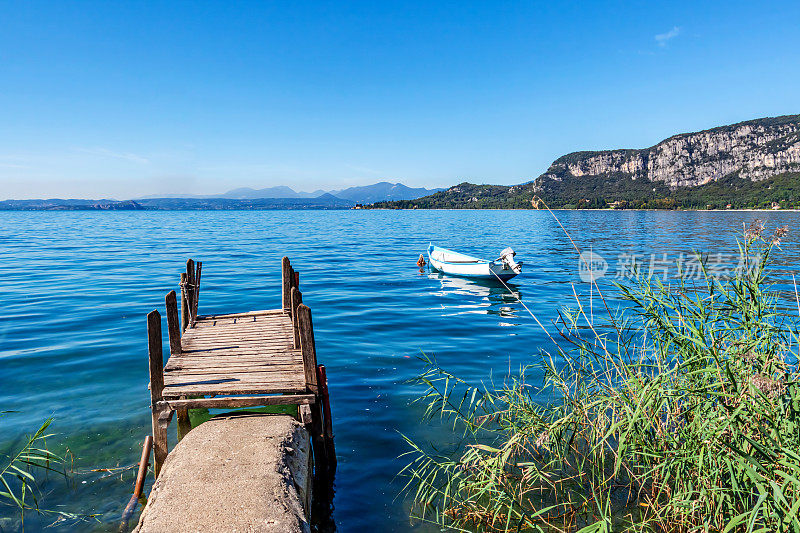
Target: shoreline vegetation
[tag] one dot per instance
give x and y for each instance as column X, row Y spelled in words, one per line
column 604, row 192
column 679, row 412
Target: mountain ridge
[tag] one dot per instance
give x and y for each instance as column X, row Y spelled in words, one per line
column 747, row 164
column 381, row 191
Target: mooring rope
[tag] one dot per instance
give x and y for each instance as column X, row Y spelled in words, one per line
column 512, row 293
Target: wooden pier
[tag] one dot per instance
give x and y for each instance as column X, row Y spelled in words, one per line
column 243, row 359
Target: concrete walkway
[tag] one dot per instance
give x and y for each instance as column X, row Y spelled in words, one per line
column 245, row 473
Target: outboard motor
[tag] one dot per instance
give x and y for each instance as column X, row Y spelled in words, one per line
column 507, row 256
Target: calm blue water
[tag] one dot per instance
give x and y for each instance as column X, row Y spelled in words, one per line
column 75, row 289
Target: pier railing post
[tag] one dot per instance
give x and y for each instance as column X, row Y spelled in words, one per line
column 156, row 388
column 307, row 347
column 286, row 284
column 184, row 304
column 190, row 292
column 322, row 381
column 197, row 289
column 297, row 299
column 173, row 325
column 309, row 352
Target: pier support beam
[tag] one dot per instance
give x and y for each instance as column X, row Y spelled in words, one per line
column 156, row 390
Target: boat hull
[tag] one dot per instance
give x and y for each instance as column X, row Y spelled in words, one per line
column 457, row 264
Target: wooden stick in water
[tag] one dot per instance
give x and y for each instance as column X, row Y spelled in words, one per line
column 139, row 485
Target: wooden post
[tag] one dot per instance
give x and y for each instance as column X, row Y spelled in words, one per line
column 322, row 380
column 286, row 287
column 297, row 279
column 156, row 388
column 309, row 352
column 184, row 425
column 190, row 290
column 184, row 422
column 307, row 347
column 184, row 304
column 173, row 326
column 197, row 288
column 297, row 299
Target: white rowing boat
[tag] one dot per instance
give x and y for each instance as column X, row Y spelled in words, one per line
column 458, row 264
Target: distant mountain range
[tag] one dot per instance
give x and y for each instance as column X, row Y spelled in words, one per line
column 382, row 191
column 281, row 197
column 753, row 164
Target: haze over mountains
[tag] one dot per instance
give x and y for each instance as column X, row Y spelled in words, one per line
column 280, row 197
column 752, row 164
column 378, row 192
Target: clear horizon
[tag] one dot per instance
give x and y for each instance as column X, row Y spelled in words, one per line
column 111, row 100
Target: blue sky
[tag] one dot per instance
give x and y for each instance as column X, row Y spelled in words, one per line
column 113, row 99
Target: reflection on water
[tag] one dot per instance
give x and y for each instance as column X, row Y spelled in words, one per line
column 465, row 295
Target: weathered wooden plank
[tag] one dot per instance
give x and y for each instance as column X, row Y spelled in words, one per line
column 244, row 334
column 156, row 357
column 263, row 312
column 229, row 378
column 289, row 355
column 177, row 391
column 233, row 362
column 241, row 401
column 240, row 329
column 232, row 350
column 245, row 317
column 287, row 334
column 250, row 375
column 207, row 344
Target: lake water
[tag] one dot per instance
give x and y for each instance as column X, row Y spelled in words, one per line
column 75, row 288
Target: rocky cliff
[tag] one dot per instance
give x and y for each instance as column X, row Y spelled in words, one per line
column 752, row 150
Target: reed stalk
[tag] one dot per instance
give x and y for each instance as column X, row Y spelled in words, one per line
column 680, row 413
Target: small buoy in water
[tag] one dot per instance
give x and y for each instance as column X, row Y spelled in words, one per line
column 421, row 261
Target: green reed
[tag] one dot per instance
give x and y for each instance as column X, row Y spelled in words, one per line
column 681, row 412
column 21, row 472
